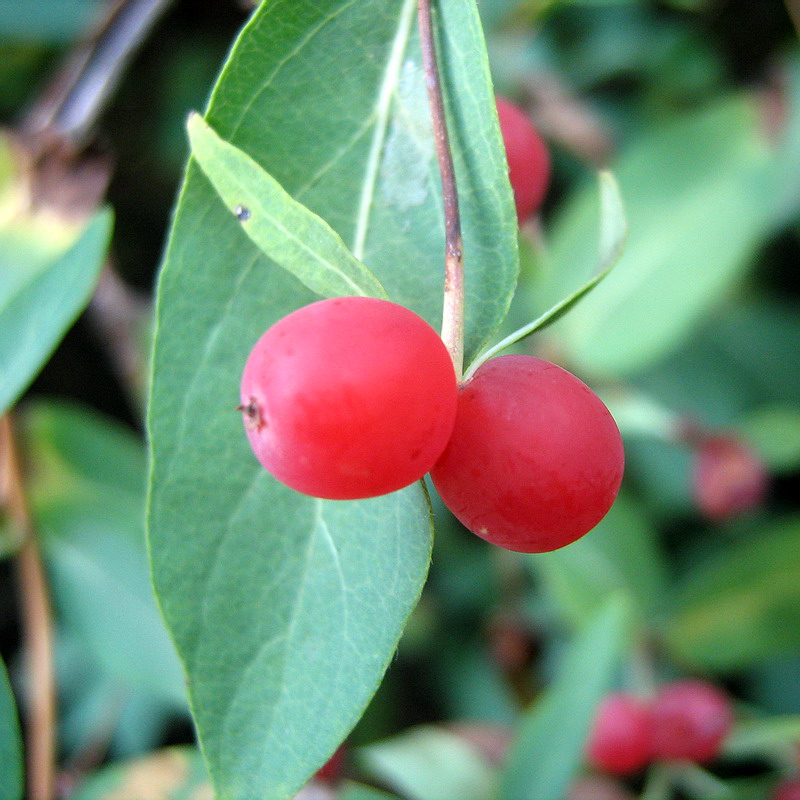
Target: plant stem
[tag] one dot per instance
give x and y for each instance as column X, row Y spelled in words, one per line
column 37, row 624
column 453, row 309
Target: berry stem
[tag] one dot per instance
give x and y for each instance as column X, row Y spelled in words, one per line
column 453, row 308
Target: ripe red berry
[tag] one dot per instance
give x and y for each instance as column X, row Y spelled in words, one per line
column 331, row 770
column 729, row 478
column 349, row 398
column 527, row 156
column 621, row 741
column 691, row 720
column 788, row 790
column 535, row 460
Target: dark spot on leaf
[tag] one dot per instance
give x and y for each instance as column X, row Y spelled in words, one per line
column 242, row 213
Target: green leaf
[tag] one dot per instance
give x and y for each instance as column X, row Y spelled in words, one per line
column 763, row 737
column 11, row 773
column 88, row 493
column 774, row 432
column 613, row 230
column 620, row 555
column 286, row 610
column 176, row 772
column 42, row 291
column 48, row 20
column 283, row 229
column 699, row 194
column 430, row 763
column 744, row 607
column 357, row 791
column 548, row 750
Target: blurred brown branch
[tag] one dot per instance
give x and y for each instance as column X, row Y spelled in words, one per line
column 37, row 622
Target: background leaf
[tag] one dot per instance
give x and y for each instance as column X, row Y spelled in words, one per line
column 774, row 432
column 42, row 291
column 176, row 772
column 621, row 554
column 429, row 763
column 51, row 20
column 764, row 736
column 11, row 774
column 744, row 606
column 357, row 791
column 613, row 229
column 286, row 610
column 548, row 750
column 691, row 232
column 88, row 494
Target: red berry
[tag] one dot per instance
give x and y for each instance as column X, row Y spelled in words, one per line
column 527, row 156
column 331, row 770
column 349, row 398
column 788, row 790
column 691, row 720
column 535, row 460
column 621, row 741
column 729, row 478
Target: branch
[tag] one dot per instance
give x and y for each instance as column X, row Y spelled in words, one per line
column 37, row 623
column 69, row 107
column 453, row 309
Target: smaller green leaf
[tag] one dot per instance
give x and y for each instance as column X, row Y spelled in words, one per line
column 37, row 307
column 744, row 607
column 549, row 748
column 285, row 230
column 430, row 763
column 613, row 231
column 11, row 773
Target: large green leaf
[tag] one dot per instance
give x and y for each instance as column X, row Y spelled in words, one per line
column 286, row 610
column 11, row 773
column 88, row 493
column 43, row 288
column 745, row 606
column 620, row 555
column 548, row 750
column 699, row 194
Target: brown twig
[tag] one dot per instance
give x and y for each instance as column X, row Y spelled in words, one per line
column 67, row 110
column 119, row 313
column 793, row 10
column 453, row 310
column 37, row 623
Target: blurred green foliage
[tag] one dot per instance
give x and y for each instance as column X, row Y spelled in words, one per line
column 695, row 105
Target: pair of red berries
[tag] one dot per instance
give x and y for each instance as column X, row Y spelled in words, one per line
column 685, row 721
column 355, row 397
